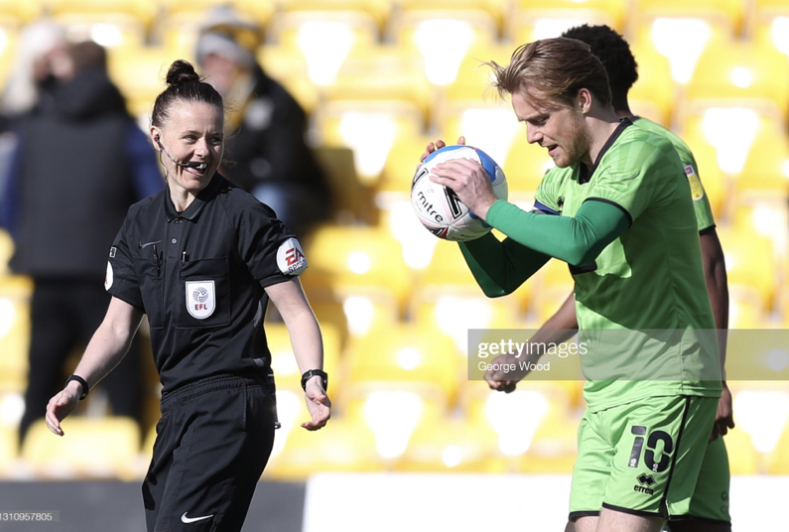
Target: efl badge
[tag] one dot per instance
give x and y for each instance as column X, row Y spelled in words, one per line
column 696, row 190
column 200, row 299
column 290, row 257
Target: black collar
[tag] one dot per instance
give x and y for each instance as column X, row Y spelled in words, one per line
column 585, row 173
column 196, row 207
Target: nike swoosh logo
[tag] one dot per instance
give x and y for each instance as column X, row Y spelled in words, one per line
column 148, row 244
column 188, row 520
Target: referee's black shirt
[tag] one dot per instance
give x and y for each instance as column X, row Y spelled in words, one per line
column 199, row 276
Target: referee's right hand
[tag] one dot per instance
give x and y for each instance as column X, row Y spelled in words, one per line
column 60, row 406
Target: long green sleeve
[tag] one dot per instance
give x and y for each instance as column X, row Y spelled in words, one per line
column 501, row 267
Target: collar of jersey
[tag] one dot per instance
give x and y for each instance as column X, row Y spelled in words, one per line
column 585, row 177
column 196, row 207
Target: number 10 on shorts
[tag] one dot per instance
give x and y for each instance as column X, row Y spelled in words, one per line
column 649, row 456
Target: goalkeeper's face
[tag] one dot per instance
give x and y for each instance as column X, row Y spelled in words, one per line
column 556, row 126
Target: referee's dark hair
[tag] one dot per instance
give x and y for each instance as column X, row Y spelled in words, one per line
column 614, row 52
column 183, row 83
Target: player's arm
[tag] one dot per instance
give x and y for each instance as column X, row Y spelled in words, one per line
column 557, row 329
column 105, row 350
column 577, row 240
column 718, row 291
column 305, row 337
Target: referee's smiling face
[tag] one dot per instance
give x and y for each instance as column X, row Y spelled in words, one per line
column 193, row 134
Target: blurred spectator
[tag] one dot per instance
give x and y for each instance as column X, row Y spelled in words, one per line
column 80, row 162
column 267, row 125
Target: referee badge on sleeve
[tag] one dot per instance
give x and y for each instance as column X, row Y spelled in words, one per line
column 108, row 276
column 200, row 299
column 290, row 257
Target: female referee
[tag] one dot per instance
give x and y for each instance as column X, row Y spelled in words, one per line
column 201, row 259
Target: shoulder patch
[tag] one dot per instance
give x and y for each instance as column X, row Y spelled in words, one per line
column 696, row 190
column 290, row 257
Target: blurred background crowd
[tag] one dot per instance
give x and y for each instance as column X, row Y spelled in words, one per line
column 333, row 101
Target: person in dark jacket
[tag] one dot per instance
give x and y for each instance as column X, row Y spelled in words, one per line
column 80, row 162
column 270, row 156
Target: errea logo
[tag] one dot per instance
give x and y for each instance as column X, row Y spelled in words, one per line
column 290, row 257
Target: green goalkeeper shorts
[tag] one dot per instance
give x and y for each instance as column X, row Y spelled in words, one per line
column 652, row 458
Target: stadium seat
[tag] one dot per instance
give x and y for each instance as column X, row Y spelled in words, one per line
column 653, row 94
column 535, row 407
column 380, row 73
column 474, row 78
column 379, row 10
column 442, row 37
column 93, row 448
column 289, row 67
column 490, row 126
column 530, row 20
column 451, row 446
column 324, row 38
column 142, row 10
column 371, row 129
column 770, row 24
column 762, row 410
column 259, row 12
column 9, row 448
column 681, row 37
column 140, row 74
column 728, row 12
column 406, row 353
column 750, row 261
column 525, row 164
column 740, row 74
column 15, row 293
column 15, row 13
column 778, row 460
column 743, row 458
column 351, row 260
column 747, row 307
column 344, row 445
column 283, row 362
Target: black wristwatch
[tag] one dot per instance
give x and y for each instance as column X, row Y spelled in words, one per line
column 310, row 374
column 82, row 382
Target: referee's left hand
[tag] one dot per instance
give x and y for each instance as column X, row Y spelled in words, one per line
column 318, row 404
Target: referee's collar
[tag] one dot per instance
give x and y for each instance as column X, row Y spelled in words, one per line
column 196, row 207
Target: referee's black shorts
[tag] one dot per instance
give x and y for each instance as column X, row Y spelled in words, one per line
column 212, row 444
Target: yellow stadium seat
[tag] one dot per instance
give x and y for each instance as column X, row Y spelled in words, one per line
column 761, row 411
column 741, row 74
column 371, row 129
column 770, row 24
column 283, row 361
column 20, row 12
column 746, row 307
column 490, row 126
column 352, row 260
column 494, row 8
column 343, row 445
column 257, row 12
column 653, row 94
column 743, row 458
column 379, row 10
column 525, row 164
column 442, row 37
column 91, row 448
column 447, row 267
column 680, row 37
column 453, row 446
column 15, row 293
column 141, row 10
column 9, row 448
column 406, row 354
column 474, row 77
column 140, row 72
column 324, row 38
column 778, row 460
column 554, row 446
column 530, row 20
column 729, row 12
column 751, row 261
column 383, row 72
column 401, row 162
column 289, row 67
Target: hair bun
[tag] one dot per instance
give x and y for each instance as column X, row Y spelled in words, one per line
column 181, row 72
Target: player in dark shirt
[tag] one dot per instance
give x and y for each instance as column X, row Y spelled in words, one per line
column 201, row 259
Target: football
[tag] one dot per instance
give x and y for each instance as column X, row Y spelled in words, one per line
column 438, row 207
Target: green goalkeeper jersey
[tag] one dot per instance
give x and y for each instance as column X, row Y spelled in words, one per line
column 642, row 306
column 701, row 203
